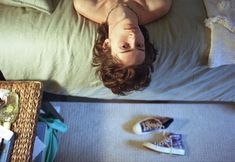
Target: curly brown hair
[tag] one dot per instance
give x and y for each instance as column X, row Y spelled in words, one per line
column 114, row 75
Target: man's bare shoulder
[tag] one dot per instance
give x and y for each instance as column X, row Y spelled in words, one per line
column 155, row 4
column 81, row 5
column 152, row 9
column 92, row 9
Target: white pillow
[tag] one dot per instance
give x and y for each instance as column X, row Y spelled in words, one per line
column 221, row 21
column 40, row 5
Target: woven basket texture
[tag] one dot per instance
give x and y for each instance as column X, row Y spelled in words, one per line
column 30, row 94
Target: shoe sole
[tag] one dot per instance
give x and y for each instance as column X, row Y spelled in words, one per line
column 164, row 150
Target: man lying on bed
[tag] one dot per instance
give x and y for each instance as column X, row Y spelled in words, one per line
column 123, row 54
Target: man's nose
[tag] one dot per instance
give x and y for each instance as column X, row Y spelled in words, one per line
column 131, row 34
column 132, row 38
column 132, row 42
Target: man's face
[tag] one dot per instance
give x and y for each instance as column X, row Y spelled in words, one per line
column 127, row 44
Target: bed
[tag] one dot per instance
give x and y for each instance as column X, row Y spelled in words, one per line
column 55, row 46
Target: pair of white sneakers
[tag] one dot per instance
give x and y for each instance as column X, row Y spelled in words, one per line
column 171, row 142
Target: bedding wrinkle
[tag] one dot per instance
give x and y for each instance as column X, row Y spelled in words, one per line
column 208, row 75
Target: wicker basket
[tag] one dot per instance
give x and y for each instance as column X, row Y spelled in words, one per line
column 30, row 94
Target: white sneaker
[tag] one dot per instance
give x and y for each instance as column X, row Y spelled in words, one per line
column 152, row 124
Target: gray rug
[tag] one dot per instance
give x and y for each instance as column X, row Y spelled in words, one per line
column 102, row 132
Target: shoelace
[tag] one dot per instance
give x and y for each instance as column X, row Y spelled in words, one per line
column 148, row 125
column 166, row 141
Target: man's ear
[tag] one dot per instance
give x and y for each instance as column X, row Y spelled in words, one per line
column 106, row 44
